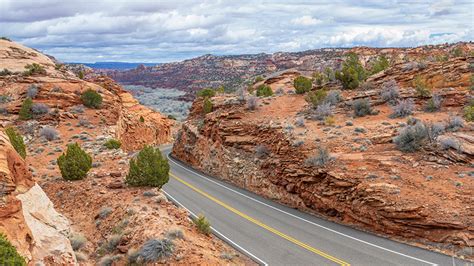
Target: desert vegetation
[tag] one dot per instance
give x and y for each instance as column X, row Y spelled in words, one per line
column 148, row 168
column 90, row 98
column 74, row 163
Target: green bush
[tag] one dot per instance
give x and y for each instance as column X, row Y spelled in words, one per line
column 25, row 110
column 75, row 163
column 202, row 224
column 112, row 144
column 172, row 117
column 142, row 119
column 352, row 72
column 319, row 78
column 258, row 79
column 8, row 253
column 208, row 92
column 17, row 141
column 469, row 111
column 80, row 74
column 5, row 38
column 302, row 85
column 457, row 52
column 91, row 99
column 207, row 106
column 264, row 91
column 379, row 65
column 34, row 68
column 421, row 87
column 148, row 168
column 316, row 98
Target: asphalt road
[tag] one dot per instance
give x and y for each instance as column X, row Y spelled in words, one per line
column 273, row 234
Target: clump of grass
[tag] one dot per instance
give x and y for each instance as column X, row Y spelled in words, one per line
column 202, row 224
column 77, row 241
column 112, row 144
column 104, row 212
column 108, row 260
column 321, row 158
column 175, row 234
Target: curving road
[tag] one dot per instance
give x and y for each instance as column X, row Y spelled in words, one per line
column 273, row 234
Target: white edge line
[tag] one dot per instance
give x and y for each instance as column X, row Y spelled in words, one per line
column 302, row 219
column 219, row 234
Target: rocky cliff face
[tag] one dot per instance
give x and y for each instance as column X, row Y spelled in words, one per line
column 27, row 216
column 423, row 198
column 100, row 209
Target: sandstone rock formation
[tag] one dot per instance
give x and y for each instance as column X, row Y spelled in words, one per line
column 423, row 198
column 27, row 216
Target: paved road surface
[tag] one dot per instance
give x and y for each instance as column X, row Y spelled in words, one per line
column 274, row 234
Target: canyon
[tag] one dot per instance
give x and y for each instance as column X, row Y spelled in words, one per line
column 423, row 198
column 100, row 219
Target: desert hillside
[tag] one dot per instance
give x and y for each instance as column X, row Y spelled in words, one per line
column 235, row 71
column 98, row 220
column 391, row 153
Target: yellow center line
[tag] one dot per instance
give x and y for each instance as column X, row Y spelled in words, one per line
column 257, row 222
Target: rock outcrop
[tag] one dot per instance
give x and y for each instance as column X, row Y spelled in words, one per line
column 27, row 216
column 423, row 198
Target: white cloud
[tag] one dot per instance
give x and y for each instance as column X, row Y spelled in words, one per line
column 166, row 30
column 305, row 21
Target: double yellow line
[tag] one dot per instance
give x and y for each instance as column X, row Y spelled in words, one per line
column 257, row 222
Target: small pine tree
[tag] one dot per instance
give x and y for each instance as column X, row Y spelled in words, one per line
column 148, row 168
column 207, row 106
column 379, row 65
column 302, row 85
column 352, row 72
column 142, row 119
column 208, row 92
column 316, row 98
column 421, row 88
column 91, row 99
column 17, row 141
column 75, row 163
column 264, row 91
column 25, row 111
column 81, row 74
column 8, row 253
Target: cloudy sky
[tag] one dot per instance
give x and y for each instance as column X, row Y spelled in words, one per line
column 164, row 31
